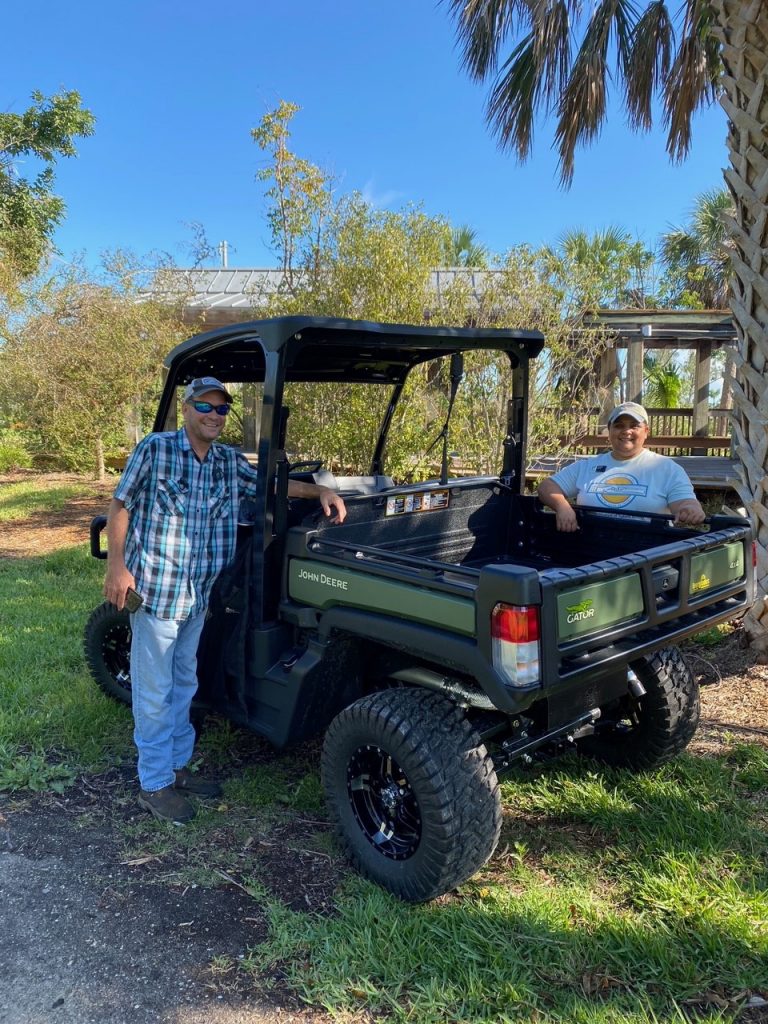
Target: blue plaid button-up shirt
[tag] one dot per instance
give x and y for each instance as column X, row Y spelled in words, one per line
column 182, row 525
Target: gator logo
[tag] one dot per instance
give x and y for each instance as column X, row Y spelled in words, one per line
column 579, row 612
column 702, row 583
column 617, row 490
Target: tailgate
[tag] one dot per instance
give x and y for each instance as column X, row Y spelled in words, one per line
column 632, row 604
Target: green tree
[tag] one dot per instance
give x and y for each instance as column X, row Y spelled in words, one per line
column 29, row 209
column 664, row 384
column 85, row 361
column 554, row 57
column 299, row 194
column 698, row 256
column 607, row 268
column 359, row 262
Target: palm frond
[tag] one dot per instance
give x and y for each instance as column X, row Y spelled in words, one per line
column 551, row 27
column 679, row 246
column 513, row 100
column 693, row 75
column 707, row 216
column 699, row 256
column 648, row 63
column 583, row 102
column 482, row 28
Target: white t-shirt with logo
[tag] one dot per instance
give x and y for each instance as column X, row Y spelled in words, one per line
column 646, row 483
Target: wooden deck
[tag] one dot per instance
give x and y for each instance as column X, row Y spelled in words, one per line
column 707, row 472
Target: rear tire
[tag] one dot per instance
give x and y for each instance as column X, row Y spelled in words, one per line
column 642, row 732
column 107, row 646
column 413, row 792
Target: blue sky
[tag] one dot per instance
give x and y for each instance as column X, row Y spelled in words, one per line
column 176, row 88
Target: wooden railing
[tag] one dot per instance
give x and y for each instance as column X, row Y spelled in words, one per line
column 670, row 433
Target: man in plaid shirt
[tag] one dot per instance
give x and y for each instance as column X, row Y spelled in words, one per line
column 171, row 529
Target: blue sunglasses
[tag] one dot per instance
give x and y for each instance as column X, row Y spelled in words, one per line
column 220, row 410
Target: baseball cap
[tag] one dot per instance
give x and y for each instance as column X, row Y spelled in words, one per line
column 631, row 409
column 200, row 385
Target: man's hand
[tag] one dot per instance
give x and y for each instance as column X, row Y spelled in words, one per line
column 566, row 519
column 116, row 584
column 553, row 496
column 331, row 501
column 687, row 513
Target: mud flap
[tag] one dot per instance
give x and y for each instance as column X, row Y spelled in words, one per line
column 566, row 705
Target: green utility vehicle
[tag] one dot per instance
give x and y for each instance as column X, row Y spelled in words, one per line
column 446, row 630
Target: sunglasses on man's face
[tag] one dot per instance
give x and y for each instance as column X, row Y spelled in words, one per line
column 204, row 407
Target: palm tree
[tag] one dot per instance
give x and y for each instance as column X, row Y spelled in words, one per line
column 605, row 268
column 462, row 249
column 559, row 62
column 698, row 257
column 663, row 385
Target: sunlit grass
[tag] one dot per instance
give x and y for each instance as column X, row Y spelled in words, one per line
column 19, row 500
column 48, row 701
column 612, row 898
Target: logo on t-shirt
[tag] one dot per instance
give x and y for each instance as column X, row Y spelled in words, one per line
column 617, row 490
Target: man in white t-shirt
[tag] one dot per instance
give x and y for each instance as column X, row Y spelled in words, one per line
column 629, row 477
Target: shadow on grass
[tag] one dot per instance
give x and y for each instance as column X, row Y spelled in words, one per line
column 615, row 898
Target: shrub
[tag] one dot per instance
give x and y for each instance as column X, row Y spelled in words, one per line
column 13, row 452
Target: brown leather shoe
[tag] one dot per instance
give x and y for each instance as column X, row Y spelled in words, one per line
column 188, row 782
column 167, row 805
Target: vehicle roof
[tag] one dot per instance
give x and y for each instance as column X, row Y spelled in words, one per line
column 327, row 349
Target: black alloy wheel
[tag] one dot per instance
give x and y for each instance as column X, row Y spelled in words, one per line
column 412, row 791
column 107, row 646
column 384, row 803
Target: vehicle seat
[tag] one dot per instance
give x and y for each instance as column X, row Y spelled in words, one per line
column 348, row 484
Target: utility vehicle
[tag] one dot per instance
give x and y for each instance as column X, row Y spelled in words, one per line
column 446, row 630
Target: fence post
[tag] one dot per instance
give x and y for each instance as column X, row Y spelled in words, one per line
column 700, row 425
column 635, row 370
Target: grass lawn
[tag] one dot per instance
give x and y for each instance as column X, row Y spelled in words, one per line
column 612, row 897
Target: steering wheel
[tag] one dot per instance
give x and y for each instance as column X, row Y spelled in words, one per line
column 310, row 466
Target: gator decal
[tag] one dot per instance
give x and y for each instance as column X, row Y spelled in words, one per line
column 598, row 606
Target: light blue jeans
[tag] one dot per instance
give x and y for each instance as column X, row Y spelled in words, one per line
column 163, row 683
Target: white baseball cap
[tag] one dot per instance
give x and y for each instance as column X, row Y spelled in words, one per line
column 631, row 409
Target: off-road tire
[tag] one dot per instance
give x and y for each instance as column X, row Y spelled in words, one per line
column 643, row 732
column 107, row 645
column 412, row 755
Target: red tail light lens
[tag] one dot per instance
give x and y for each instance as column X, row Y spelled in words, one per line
column 515, row 636
column 515, row 625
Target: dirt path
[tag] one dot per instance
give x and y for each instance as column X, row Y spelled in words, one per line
column 86, row 937
column 89, row 936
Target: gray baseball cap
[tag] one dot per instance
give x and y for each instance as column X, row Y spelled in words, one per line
column 200, row 385
column 631, row 409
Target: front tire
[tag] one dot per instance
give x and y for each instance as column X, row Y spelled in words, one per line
column 107, row 646
column 640, row 733
column 413, row 792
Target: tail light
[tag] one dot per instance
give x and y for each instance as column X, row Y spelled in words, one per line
column 515, row 637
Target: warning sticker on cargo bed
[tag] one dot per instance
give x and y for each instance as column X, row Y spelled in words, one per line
column 424, row 501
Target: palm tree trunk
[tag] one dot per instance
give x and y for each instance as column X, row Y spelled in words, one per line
column 742, row 28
